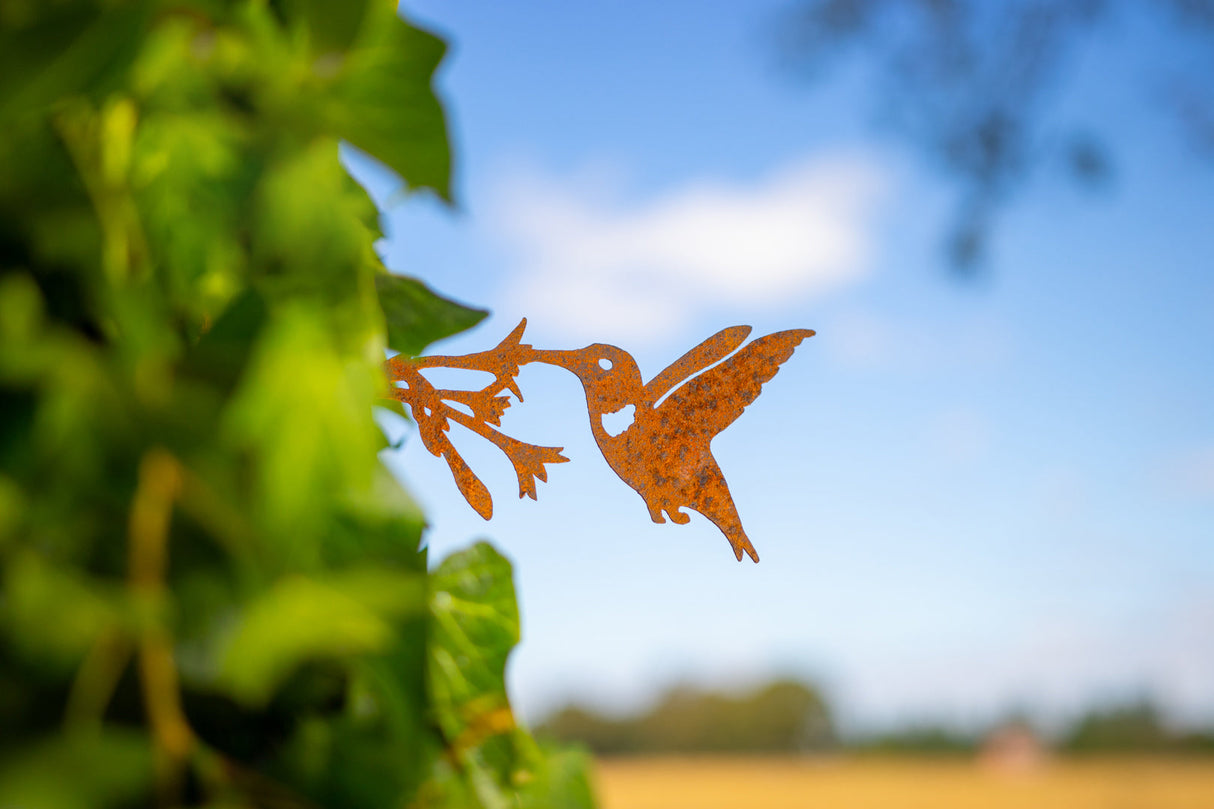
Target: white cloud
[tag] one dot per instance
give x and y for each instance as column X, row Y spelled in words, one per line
column 592, row 267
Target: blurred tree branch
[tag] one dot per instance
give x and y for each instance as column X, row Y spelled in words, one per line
column 969, row 84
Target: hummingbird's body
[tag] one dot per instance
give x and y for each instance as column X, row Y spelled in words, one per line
column 665, row 453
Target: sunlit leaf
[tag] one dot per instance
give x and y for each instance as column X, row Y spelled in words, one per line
column 474, row 627
column 305, row 411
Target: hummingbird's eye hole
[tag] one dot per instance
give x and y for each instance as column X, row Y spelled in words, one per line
column 605, row 364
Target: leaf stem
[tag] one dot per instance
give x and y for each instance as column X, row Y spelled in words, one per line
column 160, row 480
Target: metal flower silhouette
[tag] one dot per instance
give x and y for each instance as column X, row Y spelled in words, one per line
column 664, row 454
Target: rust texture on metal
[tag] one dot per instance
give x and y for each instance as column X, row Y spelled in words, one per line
column 664, row 453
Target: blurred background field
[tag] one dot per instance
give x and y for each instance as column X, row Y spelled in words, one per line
column 899, row 783
column 778, row 745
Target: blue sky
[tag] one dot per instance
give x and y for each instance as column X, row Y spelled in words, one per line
column 969, row 497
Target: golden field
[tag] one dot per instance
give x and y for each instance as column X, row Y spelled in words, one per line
column 784, row 783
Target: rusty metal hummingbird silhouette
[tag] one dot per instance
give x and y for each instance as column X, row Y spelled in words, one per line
column 664, row 454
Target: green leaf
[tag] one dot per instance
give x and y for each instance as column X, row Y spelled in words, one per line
column 356, row 765
column 304, row 412
column 57, row 613
column 79, row 771
column 65, row 49
column 390, row 523
column 384, row 103
column 302, row 619
column 12, row 509
column 558, row 778
column 308, row 216
column 221, row 354
column 332, row 26
column 193, row 183
column 297, row 620
column 474, row 625
column 418, row 316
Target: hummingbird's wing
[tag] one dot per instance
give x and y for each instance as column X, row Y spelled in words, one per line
column 709, row 402
column 703, row 355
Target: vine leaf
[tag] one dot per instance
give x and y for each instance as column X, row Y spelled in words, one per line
column 384, row 102
column 417, row 316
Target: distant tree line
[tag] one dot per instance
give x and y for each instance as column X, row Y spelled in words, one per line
column 1135, row 727
column 786, row 716
column 782, row 716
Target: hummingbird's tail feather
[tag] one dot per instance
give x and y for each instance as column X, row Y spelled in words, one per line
column 741, row 544
column 724, row 515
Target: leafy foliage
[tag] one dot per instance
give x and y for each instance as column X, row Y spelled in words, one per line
column 213, row 592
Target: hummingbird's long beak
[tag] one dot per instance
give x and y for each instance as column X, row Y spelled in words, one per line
column 563, row 359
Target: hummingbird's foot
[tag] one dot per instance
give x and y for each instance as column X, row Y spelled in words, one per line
column 678, row 517
column 655, row 514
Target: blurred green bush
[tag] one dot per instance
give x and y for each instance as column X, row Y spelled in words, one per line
column 212, row 589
